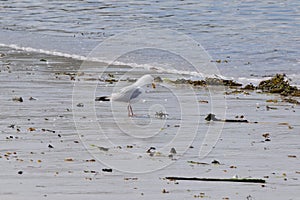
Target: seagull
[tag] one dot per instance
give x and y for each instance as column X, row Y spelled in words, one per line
column 131, row 93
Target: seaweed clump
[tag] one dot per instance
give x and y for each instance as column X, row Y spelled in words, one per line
column 209, row 81
column 217, row 81
column 191, row 82
column 278, row 84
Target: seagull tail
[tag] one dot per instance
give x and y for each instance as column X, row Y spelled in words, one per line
column 103, row 98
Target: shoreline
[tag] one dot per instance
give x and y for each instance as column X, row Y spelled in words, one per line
column 44, row 157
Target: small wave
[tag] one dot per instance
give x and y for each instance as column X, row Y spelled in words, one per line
column 47, row 52
column 156, row 68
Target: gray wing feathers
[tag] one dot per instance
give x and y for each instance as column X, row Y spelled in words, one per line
column 135, row 93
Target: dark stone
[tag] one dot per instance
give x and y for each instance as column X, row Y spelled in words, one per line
column 107, row 170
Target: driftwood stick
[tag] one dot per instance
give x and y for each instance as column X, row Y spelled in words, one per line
column 212, row 117
column 245, row 180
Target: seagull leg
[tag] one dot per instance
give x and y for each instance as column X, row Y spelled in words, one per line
column 130, row 114
column 130, row 111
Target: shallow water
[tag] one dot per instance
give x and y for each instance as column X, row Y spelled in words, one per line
column 256, row 38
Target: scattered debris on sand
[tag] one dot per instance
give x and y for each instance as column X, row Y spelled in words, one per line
column 279, row 84
column 107, row 170
column 208, row 82
column 245, row 180
column 18, row 99
column 212, row 117
column 161, row 115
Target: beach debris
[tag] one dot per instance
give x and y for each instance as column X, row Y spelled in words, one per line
column 272, row 100
column 237, row 92
column 249, row 197
column 203, row 101
column 43, row 60
column 90, row 171
column 224, row 82
column 290, row 100
column 241, row 117
column 103, row 98
column 278, row 84
column 50, row 146
column 31, row 129
column 69, row 159
column 208, row 81
column 172, row 152
column 100, row 147
column 107, row 170
column 197, row 163
column 212, row 117
column 111, row 75
column 266, row 135
column 48, row 130
column 17, row 99
column 245, row 180
column 292, row 156
column 190, row 82
column 249, row 87
column 130, row 178
column 80, row 105
column 286, row 124
column 20, row 172
column 271, row 108
column 90, row 160
column 164, row 191
column 151, row 150
column 32, row 99
column 12, row 126
column 201, row 195
column 220, row 61
column 216, row 162
column 161, row 115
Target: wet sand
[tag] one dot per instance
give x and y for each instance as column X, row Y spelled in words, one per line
column 43, row 156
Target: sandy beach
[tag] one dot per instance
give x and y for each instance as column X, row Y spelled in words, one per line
column 44, row 155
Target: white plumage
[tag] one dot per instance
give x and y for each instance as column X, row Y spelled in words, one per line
column 131, row 93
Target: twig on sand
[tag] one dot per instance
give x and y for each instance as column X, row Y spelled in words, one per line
column 245, row 180
column 212, row 117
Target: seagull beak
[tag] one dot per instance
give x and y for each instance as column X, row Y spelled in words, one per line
column 153, row 85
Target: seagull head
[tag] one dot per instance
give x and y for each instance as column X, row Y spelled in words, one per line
column 145, row 80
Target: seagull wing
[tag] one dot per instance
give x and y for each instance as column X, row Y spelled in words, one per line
column 136, row 93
